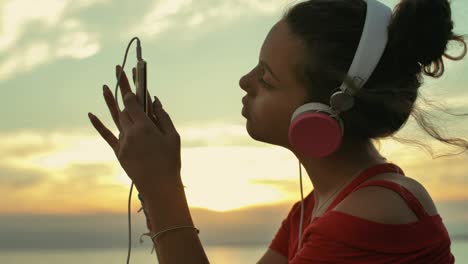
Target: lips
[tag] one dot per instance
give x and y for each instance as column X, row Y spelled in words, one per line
column 244, row 108
column 244, row 100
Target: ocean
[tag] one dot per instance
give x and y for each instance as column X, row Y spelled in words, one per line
column 217, row 255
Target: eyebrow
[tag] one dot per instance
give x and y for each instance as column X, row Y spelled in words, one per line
column 264, row 64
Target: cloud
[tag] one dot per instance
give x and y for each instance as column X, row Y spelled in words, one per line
column 38, row 32
column 266, row 6
column 77, row 45
column 286, row 186
column 23, row 145
column 68, row 165
column 457, row 102
column 23, row 60
column 82, row 4
column 229, row 171
column 444, row 178
column 195, row 20
column 18, row 14
column 49, row 172
column 25, row 42
column 182, row 15
column 158, row 19
column 76, row 188
column 216, row 134
column 89, row 173
column 84, row 165
column 20, row 178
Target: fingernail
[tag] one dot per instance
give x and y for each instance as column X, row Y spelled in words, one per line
column 157, row 101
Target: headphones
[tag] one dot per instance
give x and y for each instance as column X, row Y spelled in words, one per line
column 316, row 129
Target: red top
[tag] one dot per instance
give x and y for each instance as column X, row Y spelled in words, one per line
column 337, row 237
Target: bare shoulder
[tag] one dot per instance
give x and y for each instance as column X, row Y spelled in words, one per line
column 383, row 205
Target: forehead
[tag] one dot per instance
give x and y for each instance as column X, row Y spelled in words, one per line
column 283, row 51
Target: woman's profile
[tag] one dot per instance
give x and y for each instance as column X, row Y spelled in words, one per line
column 363, row 208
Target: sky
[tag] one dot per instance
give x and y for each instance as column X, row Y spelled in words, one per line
column 59, row 178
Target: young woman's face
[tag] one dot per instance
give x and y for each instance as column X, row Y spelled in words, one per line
column 273, row 91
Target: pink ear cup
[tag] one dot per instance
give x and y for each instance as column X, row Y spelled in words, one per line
column 315, row 134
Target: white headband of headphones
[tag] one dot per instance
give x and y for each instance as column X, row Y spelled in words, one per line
column 371, row 46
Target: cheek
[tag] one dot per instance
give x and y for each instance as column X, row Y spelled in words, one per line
column 273, row 116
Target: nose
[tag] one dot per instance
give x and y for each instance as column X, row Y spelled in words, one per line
column 244, row 83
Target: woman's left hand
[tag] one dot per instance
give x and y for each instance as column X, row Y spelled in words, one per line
column 148, row 149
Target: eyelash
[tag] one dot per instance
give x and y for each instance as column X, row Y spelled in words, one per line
column 262, row 81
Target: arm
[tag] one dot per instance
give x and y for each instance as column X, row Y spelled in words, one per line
column 149, row 152
column 171, row 210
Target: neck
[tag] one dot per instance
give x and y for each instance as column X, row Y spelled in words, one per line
column 330, row 173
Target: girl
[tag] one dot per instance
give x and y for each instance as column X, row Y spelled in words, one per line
column 363, row 209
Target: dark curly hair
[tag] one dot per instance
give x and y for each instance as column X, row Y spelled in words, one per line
column 418, row 36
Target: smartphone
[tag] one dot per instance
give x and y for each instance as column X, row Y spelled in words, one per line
column 141, row 84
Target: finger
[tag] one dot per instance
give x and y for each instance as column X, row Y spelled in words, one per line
column 151, row 112
column 123, row 81
column 134, row 75
column 163, row 116
column 104, row 132
column 149, row 103
column 134, row 109
column 111, row 104
column 156, row 115
column 125, row 121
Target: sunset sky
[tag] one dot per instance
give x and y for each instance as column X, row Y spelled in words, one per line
column 57, row 174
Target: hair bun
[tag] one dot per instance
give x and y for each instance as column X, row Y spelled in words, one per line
column 420, row 31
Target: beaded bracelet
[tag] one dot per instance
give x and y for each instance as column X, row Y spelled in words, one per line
column 174, row 228
column 148, row 224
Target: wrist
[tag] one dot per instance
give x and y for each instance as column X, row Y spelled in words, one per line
column 168, row 210
column 161, row 189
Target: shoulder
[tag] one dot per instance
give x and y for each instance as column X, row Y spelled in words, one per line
column 383, row 205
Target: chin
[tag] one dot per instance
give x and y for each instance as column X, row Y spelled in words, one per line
column 263, row 137
column 250, row 130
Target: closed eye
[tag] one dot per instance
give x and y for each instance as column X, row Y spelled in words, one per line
column 263, row 82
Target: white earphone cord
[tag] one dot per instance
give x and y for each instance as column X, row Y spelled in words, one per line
column 131, row 187
column 371, row 46
column 302, row 208
column 153, row 236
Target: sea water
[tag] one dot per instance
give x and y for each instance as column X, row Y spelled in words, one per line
column 216, row 255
